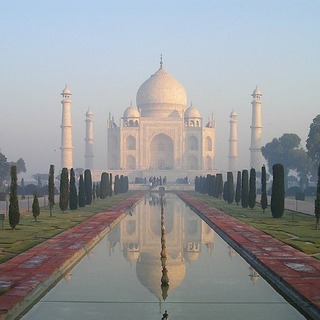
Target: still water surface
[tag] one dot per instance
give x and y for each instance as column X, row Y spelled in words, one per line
column 121, row 277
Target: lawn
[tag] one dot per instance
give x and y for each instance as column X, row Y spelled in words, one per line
column 30, row 233
column 296, row 230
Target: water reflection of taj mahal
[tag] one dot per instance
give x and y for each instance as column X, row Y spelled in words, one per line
column 140, row 234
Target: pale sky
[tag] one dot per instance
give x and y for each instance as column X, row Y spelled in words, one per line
column 104, row 50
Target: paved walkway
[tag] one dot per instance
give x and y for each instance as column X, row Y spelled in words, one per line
column 26, row 277
column 294, row 273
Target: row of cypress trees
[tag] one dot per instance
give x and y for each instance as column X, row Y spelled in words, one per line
column 244, row 191
column 88, row 191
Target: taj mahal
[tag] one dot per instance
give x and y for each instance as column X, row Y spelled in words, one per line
column 160, row 136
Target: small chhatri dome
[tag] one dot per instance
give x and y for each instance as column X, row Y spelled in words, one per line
column 131, row 112
column 89, row 113
column 256, row 92
column 66, row 91
column 233, row 114
column 192, row 112
column 161, row 94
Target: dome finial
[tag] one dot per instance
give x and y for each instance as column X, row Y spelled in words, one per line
column 161, row 62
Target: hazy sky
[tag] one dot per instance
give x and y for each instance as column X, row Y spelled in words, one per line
column 104, row 50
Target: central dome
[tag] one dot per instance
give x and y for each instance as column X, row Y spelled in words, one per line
column 161, row 95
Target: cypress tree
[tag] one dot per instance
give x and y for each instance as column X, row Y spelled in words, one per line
column 196, row 183
column 23, row 195
column 209, row 188
column 73, row 196
column 219, row 185
column 93, row 191
column 116, row 184
column 103, row 185
column 121, row 184
column 230, row 186
column 97, row 190
column 35, row 207
column 244, row 189
column 82, row 195
column 14, row 212
column 277, row 195
column 237, row 197
column 264, row 197
column 110, row 185
column 225, row 191
column 252, row 189
column 126, row 184
column 88, row 186
column 64, row 190
column 317, row 201
column 51, row 189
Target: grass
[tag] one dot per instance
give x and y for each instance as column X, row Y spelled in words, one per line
column 297, row 230
column 30, row 233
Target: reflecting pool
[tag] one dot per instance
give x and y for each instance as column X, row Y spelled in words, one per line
column 124, row 276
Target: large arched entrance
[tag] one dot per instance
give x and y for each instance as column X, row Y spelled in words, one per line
column 161, row 152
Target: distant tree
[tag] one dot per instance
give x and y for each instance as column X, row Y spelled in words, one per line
column 88, row 186
column 97, row 190
column 219, row 185
column 35, row 207
column 51, row 190
column 230, row 186
column 317, row 201
column 73, row 196
column 277, row 195
column 64, row 190
column 82, row 195
column 245, row 189
column 23, row 191
column 14, row 212
column 313, row 142
column 104, row 182
column 4, row 169
column 287, row 151
column 21, row 166
column 264, row 197
column 252, row 189
column 238, row 189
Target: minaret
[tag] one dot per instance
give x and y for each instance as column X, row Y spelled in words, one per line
column 233, row 142
column 256, row 131
column 88, row 155
column 66, row 130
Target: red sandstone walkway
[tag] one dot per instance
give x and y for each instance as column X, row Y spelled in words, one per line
column 27, row 276
column 296, row 274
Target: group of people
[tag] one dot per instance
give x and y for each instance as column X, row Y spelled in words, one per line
column 156, row 181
